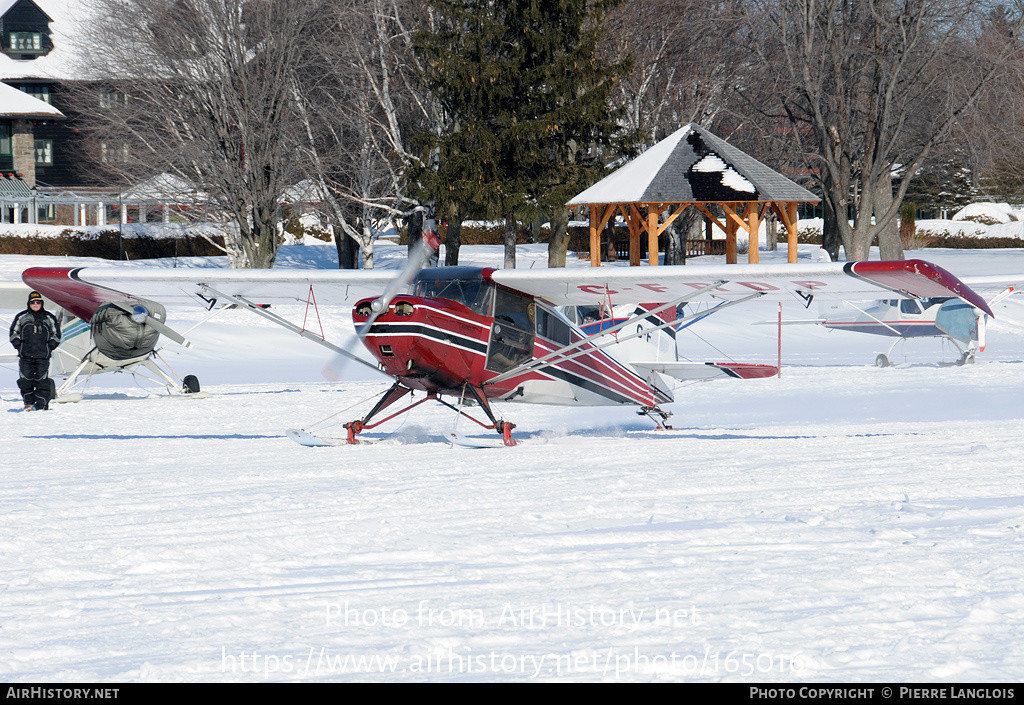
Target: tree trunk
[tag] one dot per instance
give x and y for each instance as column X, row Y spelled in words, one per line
column 366, row 244
column 348, row 250
column 678, row 233
column 414, row 228
column 674, row 235
column 259, row 247
column 831, row 239
column 558, row 242
column 510, row 241
column 453, row 240
column 889, row 245
column 535, row 227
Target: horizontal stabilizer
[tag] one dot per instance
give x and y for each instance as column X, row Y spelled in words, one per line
column 687, row 371
column 793, row 322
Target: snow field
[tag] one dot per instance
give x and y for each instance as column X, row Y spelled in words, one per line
column 190, row 531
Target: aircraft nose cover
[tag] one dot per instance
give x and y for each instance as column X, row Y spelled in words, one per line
column 119, row 337
column 957, row 320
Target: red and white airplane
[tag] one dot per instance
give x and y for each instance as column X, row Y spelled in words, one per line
column 112, row 335
column 468, row 335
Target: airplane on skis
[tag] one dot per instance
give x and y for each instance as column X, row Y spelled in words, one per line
column 114, row 334
column 944, row 317
column 470, row 337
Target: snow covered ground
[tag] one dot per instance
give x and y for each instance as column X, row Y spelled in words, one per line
column 841, row 523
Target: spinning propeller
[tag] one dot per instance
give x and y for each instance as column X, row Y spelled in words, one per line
column 424, row 249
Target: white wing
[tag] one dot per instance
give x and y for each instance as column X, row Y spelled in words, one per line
column 825, row 280
column 619, row 285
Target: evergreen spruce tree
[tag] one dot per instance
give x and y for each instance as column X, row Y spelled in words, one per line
column 527, row 100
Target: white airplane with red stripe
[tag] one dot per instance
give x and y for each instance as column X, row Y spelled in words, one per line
column 944, row 317
column 600, row 336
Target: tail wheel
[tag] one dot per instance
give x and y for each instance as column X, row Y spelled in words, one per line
column 190, row 385
column 881, row 361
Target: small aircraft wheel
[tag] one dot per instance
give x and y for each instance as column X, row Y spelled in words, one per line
column 881, row 361
column 967, row 358
column 190, row 385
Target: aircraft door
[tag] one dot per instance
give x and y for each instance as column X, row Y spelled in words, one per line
column 511, row 339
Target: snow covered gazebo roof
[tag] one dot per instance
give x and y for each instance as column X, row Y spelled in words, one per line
column 692, row 164
column 692, row 167
column 164, row 188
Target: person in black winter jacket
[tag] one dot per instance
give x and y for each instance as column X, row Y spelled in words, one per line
column 35, row 334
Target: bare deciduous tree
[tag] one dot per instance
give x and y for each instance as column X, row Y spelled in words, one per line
column 208, row 86
column 868, row 86
column 684, row 61
column 357, row 102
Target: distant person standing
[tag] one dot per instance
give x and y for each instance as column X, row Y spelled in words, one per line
column 35, row 334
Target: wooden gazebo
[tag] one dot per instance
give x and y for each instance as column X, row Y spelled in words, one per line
column 692, row 167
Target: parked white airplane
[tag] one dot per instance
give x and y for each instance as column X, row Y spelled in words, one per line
column 947, row 318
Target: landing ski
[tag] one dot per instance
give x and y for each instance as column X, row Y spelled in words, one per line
column 457, row 439
column 304, row 438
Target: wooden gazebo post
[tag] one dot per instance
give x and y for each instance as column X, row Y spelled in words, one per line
column 747, row 216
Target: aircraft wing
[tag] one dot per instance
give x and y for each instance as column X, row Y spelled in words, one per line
column 14, row 297
column 825, row 280
column 82, row 290
column 995, row 287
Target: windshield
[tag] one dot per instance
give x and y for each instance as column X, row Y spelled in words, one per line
column 464, row 285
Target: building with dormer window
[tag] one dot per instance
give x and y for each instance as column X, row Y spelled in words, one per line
column 24, row 29
column 40, row 140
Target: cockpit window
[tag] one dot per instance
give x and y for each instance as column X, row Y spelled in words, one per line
column 515, row 309
column 550, row 326
column 910, row 306
column 462, row 287
column 935, row 300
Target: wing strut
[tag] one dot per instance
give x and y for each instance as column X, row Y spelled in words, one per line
column 877, row 320
column 559, row 356
column 284, row 323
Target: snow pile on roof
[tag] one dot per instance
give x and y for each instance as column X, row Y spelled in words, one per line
column 16, row 103
column 683, row 168
column 165, row 188
column 995, row 212
column 629, row 182
column 730, row 177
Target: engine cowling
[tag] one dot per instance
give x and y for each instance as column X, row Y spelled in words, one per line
column 121, row 334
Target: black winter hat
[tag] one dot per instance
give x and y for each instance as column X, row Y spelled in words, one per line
column 35, row 296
